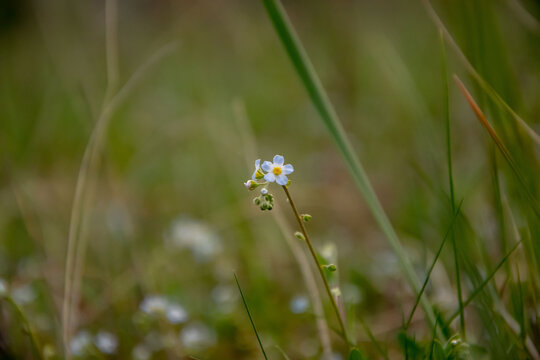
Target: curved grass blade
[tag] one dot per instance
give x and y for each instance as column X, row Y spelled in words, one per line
column 502, row 148
column 249, row 315
column 321, row 101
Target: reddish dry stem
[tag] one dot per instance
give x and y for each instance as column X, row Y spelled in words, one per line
column 479, row 114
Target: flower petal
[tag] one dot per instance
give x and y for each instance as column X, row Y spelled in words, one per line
column 267, row 166
column 282, row 179
column 287, row 169
column 257, row 167
column 278, row 160
column 270, row 177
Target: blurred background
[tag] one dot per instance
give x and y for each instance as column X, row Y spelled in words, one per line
column 173, row 104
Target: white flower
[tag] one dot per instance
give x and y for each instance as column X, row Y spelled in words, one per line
column 154, row 305
column 24, row 294
column 200, row 238
column 264, row 191
column 80, row 343
column 176, row 314
column 299, row 304
column 159, row 306
column 106, row 342
column 3, row 287
column 141, row 352
column 276, row 171
column 197, row 336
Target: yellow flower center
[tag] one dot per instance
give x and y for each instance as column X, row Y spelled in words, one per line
column 276, row 170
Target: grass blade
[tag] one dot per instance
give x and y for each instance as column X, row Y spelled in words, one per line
column 502, row 148
column 485, row 282
column 451, row 181
column 450, row 229
column 249, row 315
column 373, row 339
column 321, row 101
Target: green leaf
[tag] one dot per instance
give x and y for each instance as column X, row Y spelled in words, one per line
column 355, row 354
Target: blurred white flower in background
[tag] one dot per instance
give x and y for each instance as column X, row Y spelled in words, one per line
column 196, row 236
column 176, row 314
column 385, row 265
column 329, row 252
column 352, row 294
column 3, row 287
column 154, row 305
column 224, row 296
column 81, row 343
column 106, row 342
column 141, row 352
column 24, row 294
column 299, row 304
column 160, row 306
column 119, row 220
column 197, row 336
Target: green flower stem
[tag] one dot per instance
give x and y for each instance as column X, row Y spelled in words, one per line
column 319, row 267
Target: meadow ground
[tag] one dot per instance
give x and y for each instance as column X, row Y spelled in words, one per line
column 127, row 130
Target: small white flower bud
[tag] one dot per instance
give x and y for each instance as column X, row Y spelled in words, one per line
column 264, row 191
column 251, row 185
column 299, row 235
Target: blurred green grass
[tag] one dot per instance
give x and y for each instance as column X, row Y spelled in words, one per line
column 173, row 150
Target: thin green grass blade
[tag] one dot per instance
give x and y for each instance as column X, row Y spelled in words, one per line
column 446, row 101
column 485, row 282
column 424, row 285
column 373, row 339
column 432, row 344
column 499, row 209
column 324, row 107
column 523, row 317
column 249, row 315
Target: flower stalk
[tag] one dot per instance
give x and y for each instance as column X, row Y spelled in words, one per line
column 318, row 265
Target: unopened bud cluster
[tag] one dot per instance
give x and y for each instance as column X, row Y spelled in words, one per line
column 265, row 201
